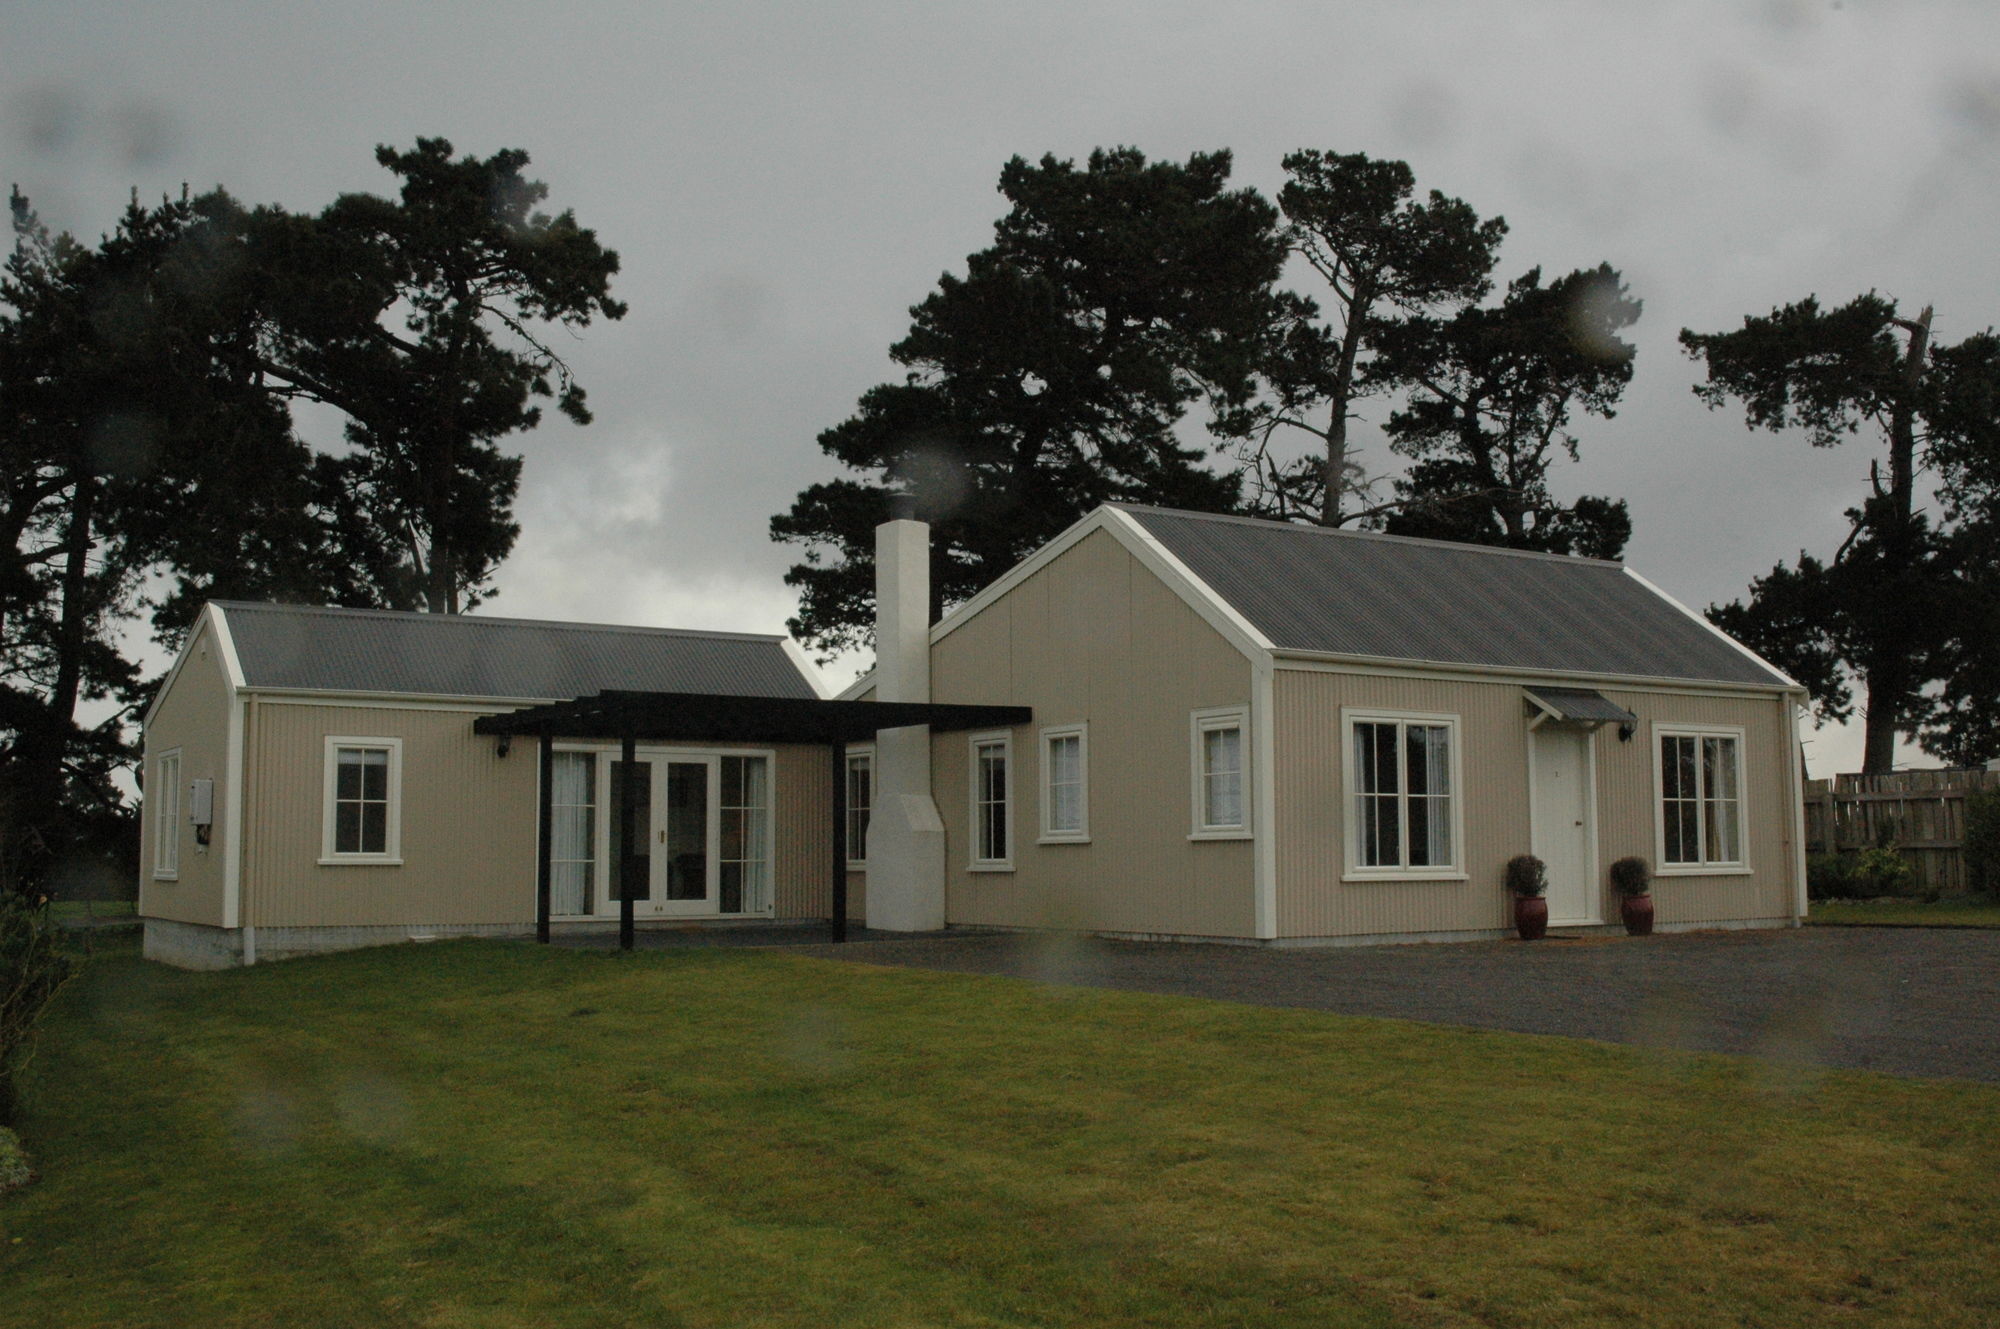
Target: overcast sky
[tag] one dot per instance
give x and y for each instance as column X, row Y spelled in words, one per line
column 782, row 181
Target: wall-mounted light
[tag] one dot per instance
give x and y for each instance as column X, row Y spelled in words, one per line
column 1626, row 730
column 506, row 742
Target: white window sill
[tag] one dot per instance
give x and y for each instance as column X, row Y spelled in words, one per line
column 1223, row 833
column 1704, row 870
column 359, row 861
column 1447, row 875
column 166, row 876
column 991, row 867
column 853, row 866
column 1066, row 837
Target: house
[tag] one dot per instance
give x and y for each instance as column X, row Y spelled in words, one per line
column 1263, row 732
column 313, row 781
column 1162, row 724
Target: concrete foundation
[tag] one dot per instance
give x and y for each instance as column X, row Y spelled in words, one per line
column 198, row 946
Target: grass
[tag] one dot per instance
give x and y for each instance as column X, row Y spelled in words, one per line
column 477, row 1133
column 1971, row 911
column 94, row 909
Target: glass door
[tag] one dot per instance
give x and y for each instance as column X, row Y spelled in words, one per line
column 701, row 825
column 685, row 836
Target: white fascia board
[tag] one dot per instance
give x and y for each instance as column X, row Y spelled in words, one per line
column 853, row 691
column 807, row 669
column 1013, row 577
column 1217, row 612
column 405, row 700
column 1134, row 538
column 1702, row 619
column 211, row 620
column 1329, row 662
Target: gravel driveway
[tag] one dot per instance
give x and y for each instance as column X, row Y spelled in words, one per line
column 1913, row 1001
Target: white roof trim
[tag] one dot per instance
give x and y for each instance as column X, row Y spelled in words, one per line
column 1014, row 576
column 1703, row 620
column 232, row 672
column 1135, row 540
column 807, row 669
column 853, row 691
column 1200, row 596
column 1517, row 674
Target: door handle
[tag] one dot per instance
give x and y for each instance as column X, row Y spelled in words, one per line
column 663, row 835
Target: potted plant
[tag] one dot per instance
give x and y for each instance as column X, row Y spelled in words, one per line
column 1528, row 878
column 1633, row 880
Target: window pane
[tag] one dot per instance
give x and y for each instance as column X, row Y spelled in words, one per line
column 374, row 828
column 569, row 888
column 1721, row 846
column 374, row 774
column 1718, row 760
column 347, row 828
column 1223, row 750
column 347, row 774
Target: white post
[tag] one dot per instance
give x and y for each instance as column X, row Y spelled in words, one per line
column 905, row 835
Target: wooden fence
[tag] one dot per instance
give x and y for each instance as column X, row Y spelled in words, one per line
column 1921, row 813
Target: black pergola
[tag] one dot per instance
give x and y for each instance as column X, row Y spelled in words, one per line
column 692, row 717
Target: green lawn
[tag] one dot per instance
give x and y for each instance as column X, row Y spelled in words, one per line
column 94, row 909
column 1966, row 912
column 477, row 1133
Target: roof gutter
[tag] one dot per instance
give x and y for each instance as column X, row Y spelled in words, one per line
column 1520, row 674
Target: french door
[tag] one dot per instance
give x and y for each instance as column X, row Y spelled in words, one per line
column 676, row 828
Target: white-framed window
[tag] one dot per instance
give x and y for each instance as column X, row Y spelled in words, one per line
column 1698, row 773
column 860, row 802
column 992, row 802
column 573, row 838
column 1220, row 766
column 165, row 796
column 1404, row 818
column 1066, row 784
column 744, row 804
column 363, row 801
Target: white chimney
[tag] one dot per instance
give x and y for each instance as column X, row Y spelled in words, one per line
column 905, row 848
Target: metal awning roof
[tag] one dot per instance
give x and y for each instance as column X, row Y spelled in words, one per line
column 711, row 718
column 1578, row 706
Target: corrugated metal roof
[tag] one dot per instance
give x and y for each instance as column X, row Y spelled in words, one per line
column 1307, row 588
column 465, row 655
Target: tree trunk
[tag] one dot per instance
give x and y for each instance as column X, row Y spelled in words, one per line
column 1339, row 397
column 1888, row 677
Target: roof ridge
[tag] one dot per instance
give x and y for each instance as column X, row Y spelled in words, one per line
column 474, row 620
column 1244, row 519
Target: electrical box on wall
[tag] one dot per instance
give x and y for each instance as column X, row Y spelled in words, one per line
column 201, row 809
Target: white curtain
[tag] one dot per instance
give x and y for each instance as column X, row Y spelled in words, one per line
column 573, row 841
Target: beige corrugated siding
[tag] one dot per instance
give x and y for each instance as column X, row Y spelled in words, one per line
column 1314, row 902
column 194, row 717
column 1095, row 637
column 468, row 824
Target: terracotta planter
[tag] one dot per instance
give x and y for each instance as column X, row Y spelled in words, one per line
column 1637, row 911
column 1531, row 917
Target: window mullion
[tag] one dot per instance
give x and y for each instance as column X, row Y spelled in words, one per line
column 1402, row 796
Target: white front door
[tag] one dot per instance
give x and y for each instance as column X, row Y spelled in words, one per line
column 675, row 821
column 1562, row 807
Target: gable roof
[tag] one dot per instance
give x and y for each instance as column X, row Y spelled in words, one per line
column 461, row 655
column 1385, row 597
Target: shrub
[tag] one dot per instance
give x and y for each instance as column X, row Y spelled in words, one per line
column 1831, row 877
column 1631, row 876
column 1527, row 875
column 14, row 1169
column 1982, row 841
column 1884, row 872
column 32, row 968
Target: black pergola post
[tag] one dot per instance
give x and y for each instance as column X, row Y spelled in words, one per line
column 545, row 819
column 839, row 751
column 631, row 862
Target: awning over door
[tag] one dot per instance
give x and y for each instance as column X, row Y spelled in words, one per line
column 1578, row 706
